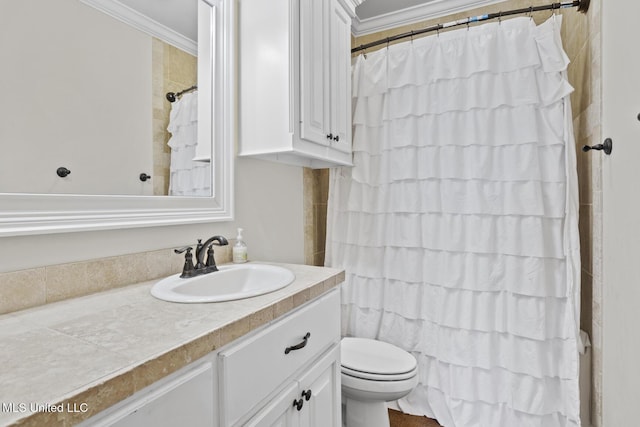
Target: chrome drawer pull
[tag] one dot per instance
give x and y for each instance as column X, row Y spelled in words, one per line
column 298, row 346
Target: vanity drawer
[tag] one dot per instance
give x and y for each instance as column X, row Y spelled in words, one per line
column 256, row 366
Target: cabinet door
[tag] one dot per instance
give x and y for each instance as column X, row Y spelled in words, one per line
column 314, row 71
column 340, row 36
column 187, row 398
column 280, row 412
column 323, row 380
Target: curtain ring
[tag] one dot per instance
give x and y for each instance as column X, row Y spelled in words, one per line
column 530, row 12
column 500, row 17
column 467, row 24
column 388, row 39
column 411, row 36
column 364, row 51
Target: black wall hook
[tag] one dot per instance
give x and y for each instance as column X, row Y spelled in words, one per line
column 606, row 146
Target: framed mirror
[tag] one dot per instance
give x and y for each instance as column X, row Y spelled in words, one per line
column 114, row 134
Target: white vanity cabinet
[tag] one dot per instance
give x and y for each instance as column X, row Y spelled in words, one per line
column 265, row 375
column 256, row 380
column 310, row 401
column 295, row 81
column 187, row 397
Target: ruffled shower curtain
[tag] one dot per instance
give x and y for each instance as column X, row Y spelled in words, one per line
column 457, row 226
column 186, row 177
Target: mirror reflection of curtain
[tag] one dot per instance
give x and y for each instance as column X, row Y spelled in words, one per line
column 187, row 177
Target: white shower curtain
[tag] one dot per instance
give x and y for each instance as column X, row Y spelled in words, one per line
column 457, row 226
column 186, row 177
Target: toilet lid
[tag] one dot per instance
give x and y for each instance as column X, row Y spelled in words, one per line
column 375, row 357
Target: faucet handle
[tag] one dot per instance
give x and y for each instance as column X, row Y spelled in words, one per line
column 211, row 261
column 188, row 270
column 199, row 248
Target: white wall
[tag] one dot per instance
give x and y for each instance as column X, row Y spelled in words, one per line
column 269, row 206
column 76, row 92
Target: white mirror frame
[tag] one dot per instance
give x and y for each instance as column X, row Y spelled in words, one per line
column 25, row 214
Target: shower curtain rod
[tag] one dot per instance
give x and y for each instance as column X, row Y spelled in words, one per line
column 172, row 96
column 582, row 5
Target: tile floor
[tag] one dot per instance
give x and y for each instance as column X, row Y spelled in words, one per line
column 398, row 419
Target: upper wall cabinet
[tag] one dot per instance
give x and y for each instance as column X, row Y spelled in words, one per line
column 295, row 81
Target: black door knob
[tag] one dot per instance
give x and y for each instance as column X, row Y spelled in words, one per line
column 144, row 177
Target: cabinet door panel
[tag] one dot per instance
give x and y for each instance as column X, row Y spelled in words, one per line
column 314, row 71
column 185, row 399
column 340, row 35
column 279, row 412
column 323, row 379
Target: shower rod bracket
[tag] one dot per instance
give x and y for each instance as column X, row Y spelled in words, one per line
column 172, row 96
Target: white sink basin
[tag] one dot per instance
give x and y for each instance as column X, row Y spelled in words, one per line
column 230, row 283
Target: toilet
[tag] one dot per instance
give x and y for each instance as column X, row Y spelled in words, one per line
column 373, row 372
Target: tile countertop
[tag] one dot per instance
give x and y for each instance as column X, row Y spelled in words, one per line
column 86, row 354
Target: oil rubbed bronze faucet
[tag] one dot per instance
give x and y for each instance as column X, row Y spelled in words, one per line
column 201, row 267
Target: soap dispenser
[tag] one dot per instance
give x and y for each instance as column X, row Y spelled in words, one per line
column 239, row 249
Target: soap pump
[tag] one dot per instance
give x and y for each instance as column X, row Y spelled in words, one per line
column 239, row 249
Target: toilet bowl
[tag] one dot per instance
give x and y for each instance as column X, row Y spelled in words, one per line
column 373, row 372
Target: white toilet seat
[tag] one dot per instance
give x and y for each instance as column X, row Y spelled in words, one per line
column 377, row 377
column 376, row 360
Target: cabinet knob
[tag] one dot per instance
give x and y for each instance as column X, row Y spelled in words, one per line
column 298, row 403
column 62, row 172
column 330, row 136
column 336, row 138
column 306, row 395
column 144, row 177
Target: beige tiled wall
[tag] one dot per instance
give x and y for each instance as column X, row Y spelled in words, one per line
column 581, row 37
column 316, row 193
column 173, row 70
column 38, row 286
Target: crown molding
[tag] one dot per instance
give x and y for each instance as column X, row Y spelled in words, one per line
column 350, row 6
column 430, row 10
column 145, row 24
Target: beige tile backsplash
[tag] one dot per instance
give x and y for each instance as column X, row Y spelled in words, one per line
column 29, row 288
